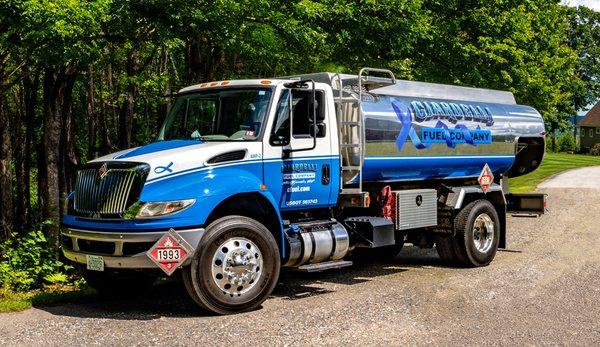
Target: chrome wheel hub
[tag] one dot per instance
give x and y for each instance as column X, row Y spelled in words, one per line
column 483, row 233
column 236, row 266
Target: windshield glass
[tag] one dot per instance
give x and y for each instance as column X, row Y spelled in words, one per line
column 218, row 115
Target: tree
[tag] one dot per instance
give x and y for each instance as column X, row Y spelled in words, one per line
column 384, row 34
column 584, row 38
column 519, row 46
column 62, row 36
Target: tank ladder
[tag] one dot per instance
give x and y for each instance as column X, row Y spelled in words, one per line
column 352, row 191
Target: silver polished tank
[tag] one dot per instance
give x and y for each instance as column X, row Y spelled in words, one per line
column 418, row 131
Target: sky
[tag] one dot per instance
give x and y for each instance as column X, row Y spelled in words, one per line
column 593, row 4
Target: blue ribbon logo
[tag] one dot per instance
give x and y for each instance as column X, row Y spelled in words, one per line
column 441, row 133
column 407, row 130
column 162, row 169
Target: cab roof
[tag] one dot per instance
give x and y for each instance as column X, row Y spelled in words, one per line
column 265, row 82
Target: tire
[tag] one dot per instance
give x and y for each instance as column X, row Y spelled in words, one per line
column 379, row 254
column 444, row 244
column 118, row 283
column 475, row 243
column 235, row 267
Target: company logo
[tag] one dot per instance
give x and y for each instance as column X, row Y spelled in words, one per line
column 103, row 170
column 452, row 112
column 298, row 167
column 442, row 133
column 419, row 200
column 162, row 169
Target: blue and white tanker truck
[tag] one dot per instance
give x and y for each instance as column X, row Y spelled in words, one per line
column 302, row 172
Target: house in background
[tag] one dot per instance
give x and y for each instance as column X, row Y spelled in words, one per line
column 589, row 129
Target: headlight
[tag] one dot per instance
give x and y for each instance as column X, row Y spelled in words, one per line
column 155, row 209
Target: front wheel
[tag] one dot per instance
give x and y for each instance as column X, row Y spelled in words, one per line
column 235, row 267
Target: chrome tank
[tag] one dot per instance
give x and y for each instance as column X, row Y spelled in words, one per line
column 418, row 131
column 315, row 242
column 409, row 138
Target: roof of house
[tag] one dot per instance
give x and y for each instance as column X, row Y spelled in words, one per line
column 592, row 118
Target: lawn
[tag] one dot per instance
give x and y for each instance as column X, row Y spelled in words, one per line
column 553, row 163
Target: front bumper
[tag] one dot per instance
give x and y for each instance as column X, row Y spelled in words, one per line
column 119, row 249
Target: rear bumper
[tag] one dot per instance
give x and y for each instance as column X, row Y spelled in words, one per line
column 119, row 249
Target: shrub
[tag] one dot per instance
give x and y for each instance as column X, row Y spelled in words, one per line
column 29, row 261
column 566, row 143
column 595, row 150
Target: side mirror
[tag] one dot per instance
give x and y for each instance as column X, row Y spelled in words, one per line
column 303, row 84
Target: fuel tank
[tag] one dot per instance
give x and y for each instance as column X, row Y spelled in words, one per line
column 415, row 138
column 410, row 130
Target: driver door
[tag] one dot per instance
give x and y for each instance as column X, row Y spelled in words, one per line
column 299, row 171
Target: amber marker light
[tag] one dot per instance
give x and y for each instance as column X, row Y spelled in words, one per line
column 265, row 82
column 263, row 187
column 224, row 83
column 212, row 84
column 202, row 85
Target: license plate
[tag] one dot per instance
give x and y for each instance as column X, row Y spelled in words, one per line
column 166, row 254
column 95, row 262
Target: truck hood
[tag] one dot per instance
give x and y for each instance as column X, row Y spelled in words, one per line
column 174, row 156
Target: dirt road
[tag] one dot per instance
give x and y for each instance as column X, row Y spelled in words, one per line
column 587, row 177
column 545, row 289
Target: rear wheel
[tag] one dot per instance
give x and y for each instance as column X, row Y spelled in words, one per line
column 475, row 243
column 235, row 267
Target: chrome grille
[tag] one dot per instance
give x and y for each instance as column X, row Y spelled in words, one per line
column 103, row 195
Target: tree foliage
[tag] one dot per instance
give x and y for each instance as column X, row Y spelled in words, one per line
column 584, row 38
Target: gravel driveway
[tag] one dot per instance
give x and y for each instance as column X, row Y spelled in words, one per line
column 545, row 289
column 587, row 177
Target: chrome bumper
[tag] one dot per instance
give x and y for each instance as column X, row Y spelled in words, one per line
column 117, row 259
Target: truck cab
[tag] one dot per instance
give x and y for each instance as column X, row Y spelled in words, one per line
column 248, row 176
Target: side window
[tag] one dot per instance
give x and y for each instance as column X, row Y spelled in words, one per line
column 280, row 135
column 303, row 115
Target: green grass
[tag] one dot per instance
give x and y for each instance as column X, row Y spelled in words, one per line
column 11, row 301
column 553, row 163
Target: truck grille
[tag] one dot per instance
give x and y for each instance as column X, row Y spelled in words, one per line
column 107, row 194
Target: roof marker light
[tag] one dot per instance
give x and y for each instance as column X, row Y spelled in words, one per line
column 212, row 84
column 202, row 85
column 265, row 82
column 224, row 83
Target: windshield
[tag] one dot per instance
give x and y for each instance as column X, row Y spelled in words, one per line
column 218, row 115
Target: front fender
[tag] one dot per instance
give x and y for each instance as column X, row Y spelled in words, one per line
column 210, row 188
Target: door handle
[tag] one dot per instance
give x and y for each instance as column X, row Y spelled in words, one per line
column 325, row 174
